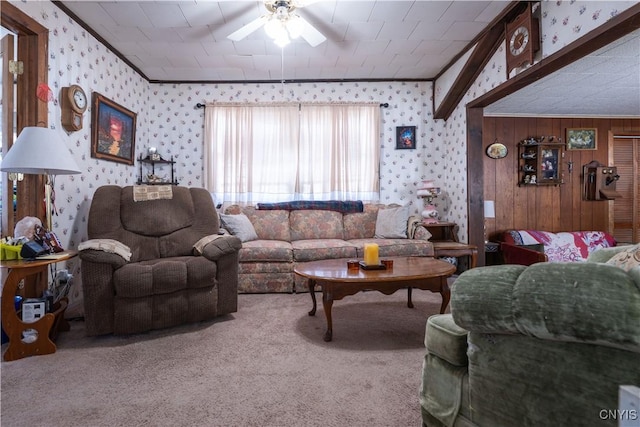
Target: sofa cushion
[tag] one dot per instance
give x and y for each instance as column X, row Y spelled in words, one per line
column 317, row 249
column 143, row 217
column 266, row 250
column 316, row 224
column 163, row 276
column 268, row 224
column 446, row 340
column 396, row 247
column 361, row 225
column 239, row 226
column 627, row 258
column 563, row 246
column 391, row 223
column 558, row 301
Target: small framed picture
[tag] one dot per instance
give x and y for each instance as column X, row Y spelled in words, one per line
column 405, row 137
column 582, row 138
column 113, row 131
column 497, row 151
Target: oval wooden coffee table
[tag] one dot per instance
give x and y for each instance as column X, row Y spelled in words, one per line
column 338, row 282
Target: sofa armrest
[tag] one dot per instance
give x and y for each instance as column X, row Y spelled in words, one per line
column 514, row 254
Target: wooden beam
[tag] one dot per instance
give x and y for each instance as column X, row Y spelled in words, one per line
column 487, row 45
column 475, row 181
column 620, row 25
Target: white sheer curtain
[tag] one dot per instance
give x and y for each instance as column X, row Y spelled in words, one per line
column 275, row 153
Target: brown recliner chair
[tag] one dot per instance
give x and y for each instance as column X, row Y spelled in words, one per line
column 166, row 281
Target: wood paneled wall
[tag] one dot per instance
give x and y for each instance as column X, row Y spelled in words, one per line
column 550, row 208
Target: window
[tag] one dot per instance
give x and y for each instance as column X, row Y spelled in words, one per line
column 275, row 153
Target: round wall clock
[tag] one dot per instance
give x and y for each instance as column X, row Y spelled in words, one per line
column 519, row 41
column 73, row 102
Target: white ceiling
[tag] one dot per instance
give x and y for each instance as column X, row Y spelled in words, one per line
column 604, row 83
column 185, row 41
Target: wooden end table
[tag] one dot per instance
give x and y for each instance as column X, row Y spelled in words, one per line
column 457, row 249
column 338, row 282
column 47, row 326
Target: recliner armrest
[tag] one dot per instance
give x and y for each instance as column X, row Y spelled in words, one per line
column 221, row 246
column 514, row 254
column 102, row 257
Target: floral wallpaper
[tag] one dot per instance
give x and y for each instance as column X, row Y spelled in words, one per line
column 168, row 119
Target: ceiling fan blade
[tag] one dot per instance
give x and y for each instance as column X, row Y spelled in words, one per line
column 304, row 3
column 310, row 34
column 248, row 29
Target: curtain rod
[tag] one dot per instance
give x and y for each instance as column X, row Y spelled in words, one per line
column 201, row 105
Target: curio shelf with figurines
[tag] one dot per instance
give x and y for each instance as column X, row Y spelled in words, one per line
column 540, row 161
column 148, row 174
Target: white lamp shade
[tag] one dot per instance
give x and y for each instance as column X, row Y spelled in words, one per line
column 489, row 209
column 39, row 151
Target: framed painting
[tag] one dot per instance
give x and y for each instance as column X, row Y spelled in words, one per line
column 582, row 139
column 497, row 151
column 405, row 137
column 113, row 131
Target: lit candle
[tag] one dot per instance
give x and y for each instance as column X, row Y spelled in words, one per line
column 371, row 254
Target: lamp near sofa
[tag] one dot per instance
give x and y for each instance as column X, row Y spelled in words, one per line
column 40, row 151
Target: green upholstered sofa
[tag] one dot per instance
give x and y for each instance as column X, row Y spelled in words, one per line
column 543, row 345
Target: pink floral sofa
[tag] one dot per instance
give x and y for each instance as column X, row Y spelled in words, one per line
column 286, row 237
column 527, row 247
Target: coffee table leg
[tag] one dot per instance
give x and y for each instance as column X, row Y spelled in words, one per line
column 327, row 303
column 446, row 295
column 409, row 302
column 312, row 287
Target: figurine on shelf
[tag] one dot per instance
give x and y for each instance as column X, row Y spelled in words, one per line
column 155, row 179
column 533, row 179
column 428, row 192
column 153, row 154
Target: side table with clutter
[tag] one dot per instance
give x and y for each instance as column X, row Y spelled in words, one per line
column 32, row 310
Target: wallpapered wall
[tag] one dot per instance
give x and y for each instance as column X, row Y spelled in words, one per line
column 167, row 117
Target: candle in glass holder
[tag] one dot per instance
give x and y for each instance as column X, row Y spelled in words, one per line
column 371, row 254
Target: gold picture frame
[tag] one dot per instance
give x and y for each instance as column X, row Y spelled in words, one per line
column 113, row 131
column 582, row 138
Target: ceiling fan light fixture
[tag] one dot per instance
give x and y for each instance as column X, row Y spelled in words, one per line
column 282, row 41
column 274, row 28
column 294, row 26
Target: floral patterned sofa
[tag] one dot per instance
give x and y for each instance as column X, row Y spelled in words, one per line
column 285, row 237
column 526, row 247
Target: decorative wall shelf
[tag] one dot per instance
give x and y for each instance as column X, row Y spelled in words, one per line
column 152, row 178
column 539, row 163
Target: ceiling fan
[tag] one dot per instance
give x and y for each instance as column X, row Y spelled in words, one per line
column 282, row 24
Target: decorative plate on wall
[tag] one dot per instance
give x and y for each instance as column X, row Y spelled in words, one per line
column 497, row 151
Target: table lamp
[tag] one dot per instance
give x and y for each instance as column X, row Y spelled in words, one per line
column 40, row 151
column 489, row 212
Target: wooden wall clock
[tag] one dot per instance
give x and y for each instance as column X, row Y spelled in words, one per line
column 73, row 102
column 523, row 40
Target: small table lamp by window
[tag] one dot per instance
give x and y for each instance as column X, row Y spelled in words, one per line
column 489, row 212
column 40, row 151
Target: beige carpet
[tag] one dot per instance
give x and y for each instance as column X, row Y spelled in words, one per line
column 265, row 365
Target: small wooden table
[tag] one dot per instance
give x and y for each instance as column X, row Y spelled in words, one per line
column 457, row 249
column 338, row 282
column 45, row 327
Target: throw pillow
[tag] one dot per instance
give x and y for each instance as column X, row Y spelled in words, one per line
column 392, row 223
column 627, row 259
column 239, row 226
